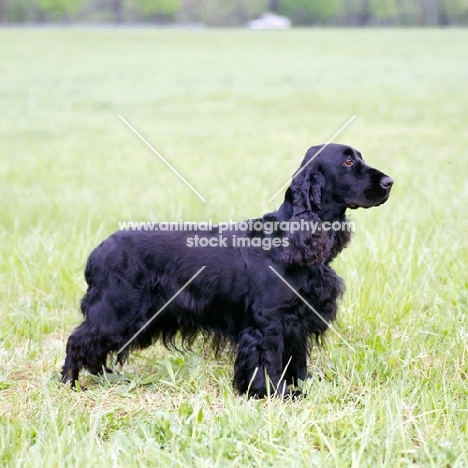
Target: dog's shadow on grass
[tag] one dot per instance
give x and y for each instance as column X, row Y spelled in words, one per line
column 167, row 371
column 160, row 370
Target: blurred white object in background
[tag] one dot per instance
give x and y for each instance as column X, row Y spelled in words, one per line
column 270, row 21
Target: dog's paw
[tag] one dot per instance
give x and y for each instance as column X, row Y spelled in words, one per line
column 294, row 395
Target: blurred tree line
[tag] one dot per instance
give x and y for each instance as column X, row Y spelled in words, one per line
column 237, row 12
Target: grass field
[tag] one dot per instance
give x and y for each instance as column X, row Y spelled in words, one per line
column 235, row 111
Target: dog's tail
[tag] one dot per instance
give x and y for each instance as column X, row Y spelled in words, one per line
column 96, row 272
column 92, row 274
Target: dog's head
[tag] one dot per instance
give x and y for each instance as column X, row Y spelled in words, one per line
column 335, row 177
column 331, row 179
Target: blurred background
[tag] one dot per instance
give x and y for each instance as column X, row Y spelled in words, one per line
column 234, row 110
column 220, row 13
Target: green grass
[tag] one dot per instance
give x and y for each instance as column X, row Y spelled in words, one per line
column 235, row 111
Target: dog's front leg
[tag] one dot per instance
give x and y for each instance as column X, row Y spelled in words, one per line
column 259, row 367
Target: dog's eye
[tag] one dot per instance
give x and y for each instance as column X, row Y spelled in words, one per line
column 349, row 162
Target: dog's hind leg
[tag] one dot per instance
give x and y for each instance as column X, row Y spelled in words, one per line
column 85, row 348
column 74, row 357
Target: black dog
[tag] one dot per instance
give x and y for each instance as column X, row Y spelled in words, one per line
column 236, row 298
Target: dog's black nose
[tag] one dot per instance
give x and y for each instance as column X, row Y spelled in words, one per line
column 386, row 182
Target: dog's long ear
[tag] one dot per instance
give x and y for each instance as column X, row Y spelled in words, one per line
column 308, row 245
column 306, row 190
column 317, row 182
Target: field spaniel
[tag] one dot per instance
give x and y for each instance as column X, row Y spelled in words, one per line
column 265, row 286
